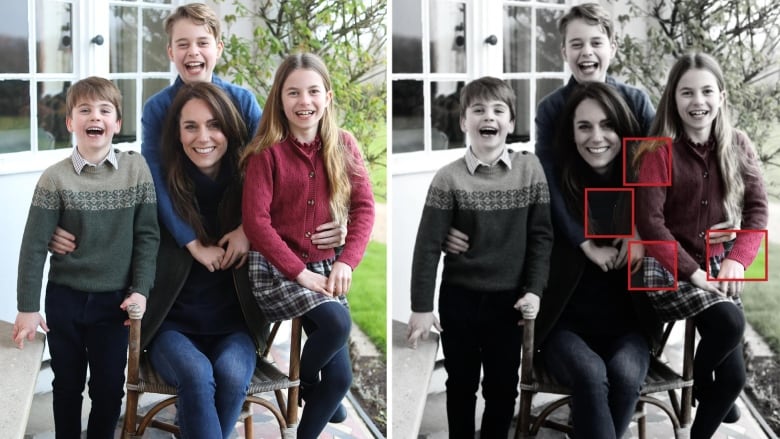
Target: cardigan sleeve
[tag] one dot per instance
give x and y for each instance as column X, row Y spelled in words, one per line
column 755, row 206
column 539, row 232
column 361, row 208
column 146, row 233
column 650, row 217
column 256, row 216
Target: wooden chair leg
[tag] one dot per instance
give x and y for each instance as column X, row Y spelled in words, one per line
column 641, row 422
column 523, row 419
column 248, row 424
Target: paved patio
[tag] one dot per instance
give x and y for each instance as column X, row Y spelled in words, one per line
column 434, row 424
column 41, row 422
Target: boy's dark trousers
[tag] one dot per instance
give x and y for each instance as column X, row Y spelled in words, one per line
column 86, row 328
column 480, row 330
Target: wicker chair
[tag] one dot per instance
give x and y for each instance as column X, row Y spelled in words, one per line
column 660, row 378
column 141, row 378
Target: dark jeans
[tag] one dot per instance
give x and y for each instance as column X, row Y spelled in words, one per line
column 325, row 365
column 211, row 375
column 479, row 330
column 605, row 375
column 86, row 329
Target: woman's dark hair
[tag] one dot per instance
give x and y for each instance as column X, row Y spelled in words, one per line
column 175, row 162
column 576, row 174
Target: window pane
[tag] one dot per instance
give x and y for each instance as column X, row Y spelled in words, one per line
column 448, row 37
column 407, row 116
column 129, row 106
column 54, row 37
column 155, row 40
column 14, row 116
column 407, row 36
column 522, row 132
column 548, row 46
column 124, row 39
column 517, row 39
column 52, row 132
column 13, row 39
column 545, row 87
column 445, row 115
column 152, row 86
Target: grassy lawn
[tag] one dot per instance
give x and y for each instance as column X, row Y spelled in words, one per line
column 378, row 171
column 368, row 298
column 756, row 270
column 762, row 303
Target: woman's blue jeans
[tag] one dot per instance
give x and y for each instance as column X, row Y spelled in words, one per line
column 605, row 375
column 211, row 375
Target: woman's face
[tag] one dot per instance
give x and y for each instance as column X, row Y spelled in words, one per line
column 597, row 142
column 201, row 136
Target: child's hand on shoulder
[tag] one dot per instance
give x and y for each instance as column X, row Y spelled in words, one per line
column 313, row 281
column 25, row 326
column 135, row 306
column 420, row 326
column 340, row 279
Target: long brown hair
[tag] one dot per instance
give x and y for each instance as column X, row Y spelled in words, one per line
column 731, row 161
column 274, row 127
column 576, row 174
column 175, row 161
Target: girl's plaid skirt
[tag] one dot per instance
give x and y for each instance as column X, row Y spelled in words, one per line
column 280, row 298
column 688, row 300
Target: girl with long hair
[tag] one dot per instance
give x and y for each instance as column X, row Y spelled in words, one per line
column 302, row 170
column 716, row 184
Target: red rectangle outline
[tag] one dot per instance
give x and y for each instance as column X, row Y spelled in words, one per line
column 766, row 259
column 667, row 145
column 608, row 189
column 674, row 286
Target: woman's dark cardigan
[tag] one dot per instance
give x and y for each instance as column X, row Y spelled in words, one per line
column 567, row 265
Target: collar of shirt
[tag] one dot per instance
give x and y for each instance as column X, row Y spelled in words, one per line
column 473, row 162
column 79, row 162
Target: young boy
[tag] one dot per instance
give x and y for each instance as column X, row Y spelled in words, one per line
column 498, row 197
column 588, row 45
column 107, row 198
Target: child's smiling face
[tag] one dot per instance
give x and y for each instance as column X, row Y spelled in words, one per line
column 587, row 50
column 487, row 123
column 194, row 51
column 304, row 101
column 698, row 99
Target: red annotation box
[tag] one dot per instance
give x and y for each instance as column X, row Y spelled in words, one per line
column 763, row 239
column 630, row 145
column 638, row 282
column 625, row 227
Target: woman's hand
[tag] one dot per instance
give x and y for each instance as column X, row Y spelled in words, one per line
column 62, row 242
column 313, row 281
column 721, row 237
column 340, row 279
column 603, row 257
column 420, row 326
column 236, row 246
column 457, row 242
column 637, row 255
column 730, row 270
column 329, row 235
column 209, row 256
